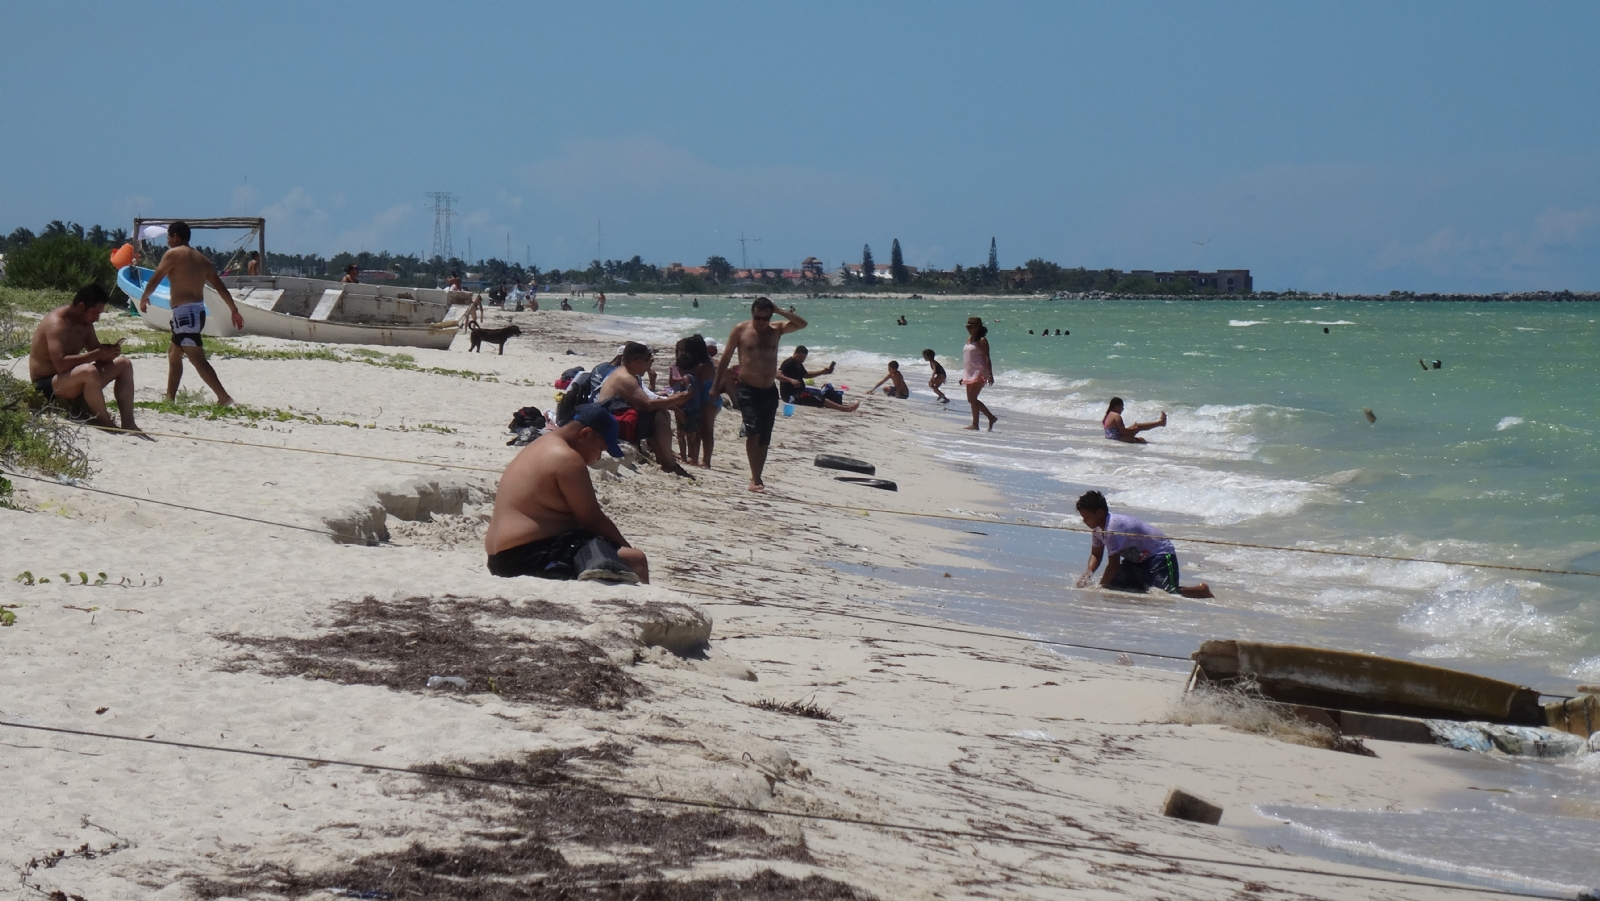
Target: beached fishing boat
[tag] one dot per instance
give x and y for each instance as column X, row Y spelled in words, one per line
column 308, row 309
column 1366, row 683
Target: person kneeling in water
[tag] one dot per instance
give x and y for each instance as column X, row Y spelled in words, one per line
column 1139, row 556
column 547, row 521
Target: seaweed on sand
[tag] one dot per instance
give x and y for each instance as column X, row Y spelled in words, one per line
column 401, row 644
column 525, row 840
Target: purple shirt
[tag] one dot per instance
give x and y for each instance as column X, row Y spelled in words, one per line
column 1142, row 537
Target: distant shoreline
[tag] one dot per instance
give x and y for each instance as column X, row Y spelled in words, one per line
column 1395, row 297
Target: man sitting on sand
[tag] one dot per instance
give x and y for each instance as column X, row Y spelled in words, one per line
column 792, row 375
column 1138, row 556
column 1117, row 430
column 67, row 360
column 187, row 272
column 899, row 388
column 636, row 410
column 547, row 519
column 756, row 342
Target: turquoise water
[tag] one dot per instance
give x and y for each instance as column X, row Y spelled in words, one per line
column 1491, row 457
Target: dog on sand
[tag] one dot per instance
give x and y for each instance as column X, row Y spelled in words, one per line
column 492, row 335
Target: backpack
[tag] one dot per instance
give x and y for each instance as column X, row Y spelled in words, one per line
column 527, row 417
column 581, row 391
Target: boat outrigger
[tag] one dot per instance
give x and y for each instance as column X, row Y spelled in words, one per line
column 305, row 309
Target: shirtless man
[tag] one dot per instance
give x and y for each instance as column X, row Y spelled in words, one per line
column 352, row 275
column 253, row 265
column 756, row 341
column 623, row 396
column 187, row 272
column 545, row 510
column 899, row 389
column 67, row 360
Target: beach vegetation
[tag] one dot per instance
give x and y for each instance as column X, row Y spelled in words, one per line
column 807, row 709
column 35, row 436
column 898, row 273
column 869, row 272
column 62, row 262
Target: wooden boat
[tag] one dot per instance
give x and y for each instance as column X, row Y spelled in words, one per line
column 1367, row 683
column 308, row 309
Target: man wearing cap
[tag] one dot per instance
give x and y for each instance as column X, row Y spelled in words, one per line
column 545, row 510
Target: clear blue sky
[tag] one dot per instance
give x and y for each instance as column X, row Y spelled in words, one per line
column 1326, row 146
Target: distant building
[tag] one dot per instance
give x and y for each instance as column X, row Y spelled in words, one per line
column 811, row 270
column 1223, row 281
column 880, row 273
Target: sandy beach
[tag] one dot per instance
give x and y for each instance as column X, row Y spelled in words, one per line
column 957, row 763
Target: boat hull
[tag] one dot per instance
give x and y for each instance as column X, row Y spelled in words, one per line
column 1366, row 683
column 132, row 281
column 347, row 314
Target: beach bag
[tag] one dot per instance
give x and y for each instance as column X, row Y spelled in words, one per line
column 597, row 561
column 527, row 417
column 580, row 392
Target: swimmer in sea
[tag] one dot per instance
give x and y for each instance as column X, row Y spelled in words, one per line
column 1117, row 430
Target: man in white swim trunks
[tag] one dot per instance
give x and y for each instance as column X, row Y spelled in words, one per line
column 187, row 272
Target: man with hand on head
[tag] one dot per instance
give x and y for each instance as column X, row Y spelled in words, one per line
column 756, row 342
column 1138, row 556
column 546, row 516
column 66, row 360
column 187, row 272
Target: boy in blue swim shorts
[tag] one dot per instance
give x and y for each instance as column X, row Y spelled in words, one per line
column 1138, row 556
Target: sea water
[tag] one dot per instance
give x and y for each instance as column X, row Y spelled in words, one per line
column 1490, row 458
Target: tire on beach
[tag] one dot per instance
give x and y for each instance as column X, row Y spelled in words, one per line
column 884, row 484
column 848, row 464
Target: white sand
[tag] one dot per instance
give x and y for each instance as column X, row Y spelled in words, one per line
column 935, row 729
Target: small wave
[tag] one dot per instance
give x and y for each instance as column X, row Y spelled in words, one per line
column 648, row 329
column 1586, row 670
column 1246, row 323
column 1483, row 622
column 1507, row 423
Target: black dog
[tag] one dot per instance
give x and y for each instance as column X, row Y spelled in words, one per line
column 492, row 335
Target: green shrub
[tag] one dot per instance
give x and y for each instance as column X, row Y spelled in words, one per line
column 62, row 263
column 33, row 301
column 36, row 438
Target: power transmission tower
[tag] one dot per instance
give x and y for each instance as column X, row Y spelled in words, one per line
column 744, row 257
column 442, row 214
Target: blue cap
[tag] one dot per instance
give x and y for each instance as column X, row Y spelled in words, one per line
column 602, row 422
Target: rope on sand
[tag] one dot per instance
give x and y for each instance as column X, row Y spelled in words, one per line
column 954, row 517
column 151, row 500
column 1057, row 844
column 1216, row 541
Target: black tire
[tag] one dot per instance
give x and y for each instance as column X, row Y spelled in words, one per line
column 883, row 484
column 848, row 464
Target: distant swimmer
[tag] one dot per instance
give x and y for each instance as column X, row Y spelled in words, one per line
column 697, row 303
column 1371, row 416
column 938, row 376
column 899, row 389
column 1117, row 430
column 1138, row 556
column 902, row 320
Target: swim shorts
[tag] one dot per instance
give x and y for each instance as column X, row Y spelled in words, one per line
column 46, row 386
column 632, row 425
column 547, row 558
column 1156, row 571
column 759, row 407
column 187, row 323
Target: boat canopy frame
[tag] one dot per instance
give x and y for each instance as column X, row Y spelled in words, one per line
column 252, row 223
